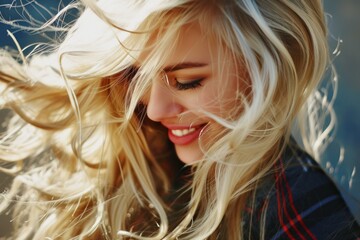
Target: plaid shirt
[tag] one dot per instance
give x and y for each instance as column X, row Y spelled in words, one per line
column 301, row 202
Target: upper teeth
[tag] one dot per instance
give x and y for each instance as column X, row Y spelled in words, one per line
column 182, row 132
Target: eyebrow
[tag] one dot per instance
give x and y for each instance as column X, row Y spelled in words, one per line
column 184, row 65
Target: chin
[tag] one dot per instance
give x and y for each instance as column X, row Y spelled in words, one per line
column 189, row 154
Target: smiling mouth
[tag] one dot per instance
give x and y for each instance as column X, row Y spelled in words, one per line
column 185, row 136
column 182, row 132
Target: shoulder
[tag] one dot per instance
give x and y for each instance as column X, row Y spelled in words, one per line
column 301, row 201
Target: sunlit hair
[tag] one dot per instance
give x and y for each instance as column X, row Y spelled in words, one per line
column 88, row 160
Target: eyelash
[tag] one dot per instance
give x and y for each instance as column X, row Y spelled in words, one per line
column 190, row 85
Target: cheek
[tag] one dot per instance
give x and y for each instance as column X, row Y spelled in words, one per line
column 220, row 99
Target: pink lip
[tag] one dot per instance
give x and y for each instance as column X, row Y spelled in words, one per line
column 186, row 139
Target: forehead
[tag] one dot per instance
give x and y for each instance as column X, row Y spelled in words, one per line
column 188, row 44
column 192, row 45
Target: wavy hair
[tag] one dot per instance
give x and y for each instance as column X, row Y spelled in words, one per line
column 88, row 162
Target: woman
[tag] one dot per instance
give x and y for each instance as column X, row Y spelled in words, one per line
column 172, row 120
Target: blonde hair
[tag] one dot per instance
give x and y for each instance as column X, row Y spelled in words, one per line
column 89, row 159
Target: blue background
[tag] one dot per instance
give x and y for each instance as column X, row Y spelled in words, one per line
column 344, row 23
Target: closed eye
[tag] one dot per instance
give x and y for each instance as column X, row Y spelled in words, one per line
column 188, row 85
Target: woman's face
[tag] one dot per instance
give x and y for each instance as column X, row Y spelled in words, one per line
column 197, row 79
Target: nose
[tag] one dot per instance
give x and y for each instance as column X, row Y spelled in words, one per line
column 162, row 103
